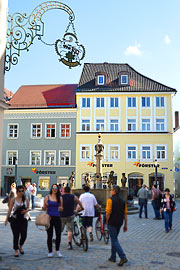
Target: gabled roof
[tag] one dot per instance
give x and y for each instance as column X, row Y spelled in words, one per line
column 45, row 96
column 138, row 82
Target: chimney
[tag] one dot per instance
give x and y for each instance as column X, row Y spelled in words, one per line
column 176, row 120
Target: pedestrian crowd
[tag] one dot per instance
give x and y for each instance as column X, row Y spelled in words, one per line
column 61, row 206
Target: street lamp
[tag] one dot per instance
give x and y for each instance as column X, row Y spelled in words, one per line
column 156, row 179
column 16, row 162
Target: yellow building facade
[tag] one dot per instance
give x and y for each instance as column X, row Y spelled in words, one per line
column 134, row 115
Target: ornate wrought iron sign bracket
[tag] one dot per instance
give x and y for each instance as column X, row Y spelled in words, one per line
column 23, row 29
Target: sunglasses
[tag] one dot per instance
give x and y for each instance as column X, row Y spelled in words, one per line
column 21, row 190
column 54, row 188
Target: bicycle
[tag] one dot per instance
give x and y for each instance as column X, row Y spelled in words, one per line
column 79, row 233
column 101, row 227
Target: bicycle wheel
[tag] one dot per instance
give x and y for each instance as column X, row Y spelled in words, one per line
column 98, row 229
column 84, row 239
column 76, row 235
column 106, row 235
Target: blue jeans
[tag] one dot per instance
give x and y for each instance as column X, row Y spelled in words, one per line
column 143, row 202
column 115, row 246
column 168, row 219
column 32, row 200
column 156, row 211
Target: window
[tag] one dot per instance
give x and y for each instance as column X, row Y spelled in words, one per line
column 12, row 157
column 36, row 130
column 44, row 182
column 131, row 152
column 146, row 126
column 114, row 152
column 85, row 102
column 114, row 102
column 146, row 152
column 49, row 158
column 35, row 157
column 145, row 101
column 131, row 124
column 131, row 102
column 159, row 101
column 124, row 79
column 65, row 130
column 100, row 79
column 161, row 152
column 160, row 125
column 99, row 124
column 114, row 125
column 13, row 130
column 85, row 152
column 50, row 130
column 100, row 102
column 85, row 125
column 64, row 158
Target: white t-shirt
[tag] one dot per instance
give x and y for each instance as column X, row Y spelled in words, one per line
column 88, row 201
column 33, row 191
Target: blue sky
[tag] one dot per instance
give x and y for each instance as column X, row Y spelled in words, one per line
column 143, row 33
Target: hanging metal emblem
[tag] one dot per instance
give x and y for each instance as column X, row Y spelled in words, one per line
column 23, row 29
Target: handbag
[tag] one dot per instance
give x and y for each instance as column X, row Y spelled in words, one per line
column 6, row 199
column 43, row 220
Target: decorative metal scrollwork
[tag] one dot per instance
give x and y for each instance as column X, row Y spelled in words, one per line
column 23, row 29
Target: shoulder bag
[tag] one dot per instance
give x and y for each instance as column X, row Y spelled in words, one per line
column 43, row 220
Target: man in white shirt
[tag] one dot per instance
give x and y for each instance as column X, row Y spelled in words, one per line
column 33, row 194
column 88, row 201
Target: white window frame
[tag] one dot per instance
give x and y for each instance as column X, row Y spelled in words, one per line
column 160, row 106
column 132, row 118
column 86, row 102
column 160, row 118
column 117, row 119
column 146, row 118
column 32, row 130
column 100, row 118
column 161, row 159
column 86, row 119
column 100, row 76
column 109, row 152
column 124, row 75
column 49, row 138
column 100, row 102
column 8, row 129
column 61, row 132
column 7, row 157
column 151, row 152
column 132, row 107
column 46, row 151
column 90, row 150
column 131, row 145
column 30, row 157
column 143, row 107
column 61, row 151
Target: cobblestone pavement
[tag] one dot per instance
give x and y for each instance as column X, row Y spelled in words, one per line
column 145, row 243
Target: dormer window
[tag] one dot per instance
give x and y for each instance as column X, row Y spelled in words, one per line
column 124, row 79
column 100, row 80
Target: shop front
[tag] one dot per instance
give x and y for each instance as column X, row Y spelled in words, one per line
column 160, row 180
column 135, row 181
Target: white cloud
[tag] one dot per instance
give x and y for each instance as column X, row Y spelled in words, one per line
column 167, row 40
column 133, row 50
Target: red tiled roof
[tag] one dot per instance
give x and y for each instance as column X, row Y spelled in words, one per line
column 31, row 96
